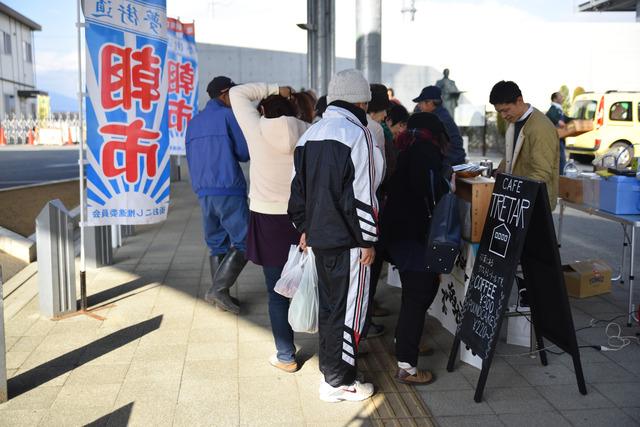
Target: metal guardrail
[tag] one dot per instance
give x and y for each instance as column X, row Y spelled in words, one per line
column 16, row 129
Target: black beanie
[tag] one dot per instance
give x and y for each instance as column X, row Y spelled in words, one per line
column 379, row 98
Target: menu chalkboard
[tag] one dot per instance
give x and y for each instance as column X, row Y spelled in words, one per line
column 518, row 230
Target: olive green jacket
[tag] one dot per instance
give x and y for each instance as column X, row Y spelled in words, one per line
column 537, row 153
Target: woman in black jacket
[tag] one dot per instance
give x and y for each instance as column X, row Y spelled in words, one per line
column 404, row 227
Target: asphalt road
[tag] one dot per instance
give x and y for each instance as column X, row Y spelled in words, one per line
column 31, row 165
column 24, row 165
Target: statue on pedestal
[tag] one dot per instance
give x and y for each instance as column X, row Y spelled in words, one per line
column 450, row 92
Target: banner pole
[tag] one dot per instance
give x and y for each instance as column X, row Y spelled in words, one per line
column 83, row 281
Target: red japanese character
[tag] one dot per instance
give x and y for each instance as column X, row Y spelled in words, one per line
column 146, row 77
column 173, row 68
column 179, row 114
column 181, row 77
column 129, row 143
column 115, row 68
column 186, row 78
column 126, row 74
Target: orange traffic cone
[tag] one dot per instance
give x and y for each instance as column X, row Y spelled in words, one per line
column 3, row 140
column 30, row 138
column 69, row 139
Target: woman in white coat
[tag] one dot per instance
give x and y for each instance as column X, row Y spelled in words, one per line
column 268, row 119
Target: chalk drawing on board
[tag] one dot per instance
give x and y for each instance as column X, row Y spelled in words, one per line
column 500, row 237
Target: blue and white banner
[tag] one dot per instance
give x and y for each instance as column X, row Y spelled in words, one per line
column 127, row 124
column 182, row 61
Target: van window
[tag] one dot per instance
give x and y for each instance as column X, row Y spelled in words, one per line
column 621, row 111
column 584, row 109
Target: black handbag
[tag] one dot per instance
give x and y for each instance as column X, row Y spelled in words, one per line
column 443, row 240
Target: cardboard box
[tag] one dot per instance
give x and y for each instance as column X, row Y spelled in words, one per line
column 476, row 196
column 575, row 128
column 570, row 189
column 587, row 278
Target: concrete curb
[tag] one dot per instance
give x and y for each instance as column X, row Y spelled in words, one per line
column 24, row 248
column 17, row 246
column 39, row 184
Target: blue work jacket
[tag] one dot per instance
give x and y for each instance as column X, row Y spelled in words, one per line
column 215, row 147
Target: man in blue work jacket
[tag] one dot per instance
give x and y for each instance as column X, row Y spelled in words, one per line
column 215, row 147
column 430, row 101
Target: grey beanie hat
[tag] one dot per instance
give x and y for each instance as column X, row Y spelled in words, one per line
column 350, row 86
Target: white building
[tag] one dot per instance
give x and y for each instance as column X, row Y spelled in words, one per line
column 244, row 65
column 17, row 63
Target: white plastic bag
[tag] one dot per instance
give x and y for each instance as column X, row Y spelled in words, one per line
column 303, row 311
column 289, row 280
column 393, row 277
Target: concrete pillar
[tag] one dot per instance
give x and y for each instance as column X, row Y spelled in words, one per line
column 4, row 395
column 369, row 38
column 99, row 249
column 311, row 44
column 116, row 236
column 320, row 28
column 174, row 167
column 56, row 260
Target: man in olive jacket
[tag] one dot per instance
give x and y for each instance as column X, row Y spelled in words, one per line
column 532, row 146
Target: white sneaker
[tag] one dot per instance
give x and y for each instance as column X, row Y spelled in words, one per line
column 353, row 393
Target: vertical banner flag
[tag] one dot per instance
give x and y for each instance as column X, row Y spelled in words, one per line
column 127, row 126
column 182, row 62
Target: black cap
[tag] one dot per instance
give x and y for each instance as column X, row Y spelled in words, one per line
column 428, row 121
column 219, row 85
column 429, row 93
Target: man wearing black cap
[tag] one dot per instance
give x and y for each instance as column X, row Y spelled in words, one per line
column 430, row 101
column 215, row 146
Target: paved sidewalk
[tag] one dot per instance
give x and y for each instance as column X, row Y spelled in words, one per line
column 162, row 356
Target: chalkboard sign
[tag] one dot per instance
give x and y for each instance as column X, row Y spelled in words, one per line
column 518, row 230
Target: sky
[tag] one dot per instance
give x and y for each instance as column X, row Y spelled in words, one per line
column 271, row 25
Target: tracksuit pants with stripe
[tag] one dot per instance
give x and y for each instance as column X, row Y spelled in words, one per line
column 343, row 287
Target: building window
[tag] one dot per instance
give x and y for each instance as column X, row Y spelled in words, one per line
column 28, row 53
column 6, row 38
column 620, row 111
column 9, row 104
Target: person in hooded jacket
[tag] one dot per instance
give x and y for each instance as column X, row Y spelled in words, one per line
column 272, row 131
column 404, row 227
column 215, row 146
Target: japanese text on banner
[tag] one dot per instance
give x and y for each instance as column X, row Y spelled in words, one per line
column 182, row 62
column 127, row 124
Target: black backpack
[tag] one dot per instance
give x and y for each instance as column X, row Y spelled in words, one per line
column 443, row 241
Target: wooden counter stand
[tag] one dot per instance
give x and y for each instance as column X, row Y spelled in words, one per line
column 477, row 192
